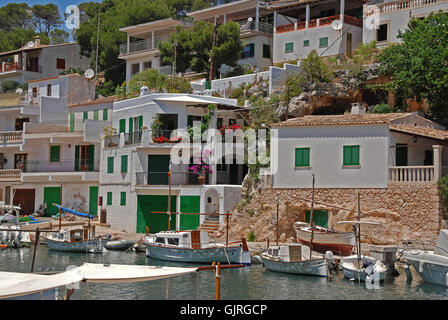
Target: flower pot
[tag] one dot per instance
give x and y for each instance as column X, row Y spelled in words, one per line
column 201, row 180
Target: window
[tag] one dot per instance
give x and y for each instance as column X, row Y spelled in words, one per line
column 105, row 114
column 135, row 68
column 147, row 65
column 122, row 198
column 85, row 116
column 289, row 47
column 160, row 240
column 96, row 115
column 124, row 164
column 381, row 33
column 60, row 63
column 55, row 153
column 35, row 92
column 174, row 241
column 302, row 157
column 110, row 164
column 266, row 51
column 351, row 155
column 249, row 50
column 109, row 199
column 323, row 42
column 49, row 90
column 306, row 43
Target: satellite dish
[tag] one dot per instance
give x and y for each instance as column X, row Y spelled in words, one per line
column 336, row 24
column 19, row 90
column 30, row 44
column 249, row 19
column 89, row 73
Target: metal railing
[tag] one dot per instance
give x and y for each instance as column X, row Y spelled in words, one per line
column 395, row 6
column 141, row 45
column 320, row 22
column 133, row 138
column 161, row 178
column 10, row 175
column 411, row 174
column 112, row 141
column 10, row 137
column 31, row 166
column 246, row 26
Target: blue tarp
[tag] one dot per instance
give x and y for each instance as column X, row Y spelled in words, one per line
column 84, row 215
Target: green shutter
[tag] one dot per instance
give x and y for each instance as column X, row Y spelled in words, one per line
column 289, row 47
column 189, row 204
column 266, row 51
column 351, row 155
column 109, row 199
column 85, row 116
column 96, row 115
column 131, row 125
column 302, row 157
column 323, row 42
column 55, row 152
column 93, row 200
column 306, row 43
column 72, row 122
column 90, row 157
column 105, row 114
column 110, row 165
column 122, row 198
column 252, row 50
column 122, row 125
column 76, row 158
column 124, row 164
column 140, row 122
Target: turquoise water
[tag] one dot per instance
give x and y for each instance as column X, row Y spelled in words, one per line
column 252, row 283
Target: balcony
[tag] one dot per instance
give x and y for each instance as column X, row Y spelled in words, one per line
column 37, row 166
column 161, row 178
column 396, row 6
column 326, row 21
column 140, row 46
column 8, row 175
column 411, row 174
column 11, row 137
column 248, row 26
column 10, row 66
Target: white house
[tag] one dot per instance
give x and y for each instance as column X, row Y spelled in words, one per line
column 134, row 182
column 36, row 61
column 383, row 19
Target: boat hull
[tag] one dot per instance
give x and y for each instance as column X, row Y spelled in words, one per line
column 340, row 243
column 431, row 267
column 349, row 267
column 316, row 267
column 205, row 255
column 79, row 246
column 119, row 245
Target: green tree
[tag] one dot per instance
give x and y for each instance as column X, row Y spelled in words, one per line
column 418, row 65
column 14, row 15
column 46, row 17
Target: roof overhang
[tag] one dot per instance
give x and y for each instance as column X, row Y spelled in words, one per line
column 227, row 8
column 153, row 26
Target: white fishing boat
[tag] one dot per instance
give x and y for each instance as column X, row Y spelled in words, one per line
column 431, row 265
column 361, row 269
column 36, row 286
column 295, row 258
column 340, row 243
column 11, row 234
column 194, row 246
column 76, row 240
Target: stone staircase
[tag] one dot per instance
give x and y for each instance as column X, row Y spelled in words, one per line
column 209, row 226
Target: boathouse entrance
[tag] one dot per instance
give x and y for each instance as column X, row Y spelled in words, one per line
column 147, row 205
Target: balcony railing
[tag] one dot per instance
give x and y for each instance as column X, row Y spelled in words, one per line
column 301, row 25
column 32, row 166
column 395, row 6
column 10, row 66
column 141, row 45
column 10, row 175
column 411, row 174
column 133, row 138
column 112, row 141
column 10, row 137
column 161, row 178
column 246, row 26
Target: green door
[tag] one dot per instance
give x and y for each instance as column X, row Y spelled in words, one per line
column 158, row 166
column 52, row 195
column 189, row 204
column 320, row 217
column 401, row 154
column 93, row 200
column 156, row 222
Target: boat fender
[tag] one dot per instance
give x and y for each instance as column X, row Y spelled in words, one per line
column 420, row 267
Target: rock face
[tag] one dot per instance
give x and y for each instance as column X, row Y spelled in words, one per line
column 406, row 211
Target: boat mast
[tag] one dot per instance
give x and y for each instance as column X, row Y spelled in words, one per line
column 311, row 219
column 359, row 227
column 60, row 209
column 169, row 198
column 277, row 218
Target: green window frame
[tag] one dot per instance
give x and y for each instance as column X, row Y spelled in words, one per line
column 55, row 153
column 85, row 116
column 110, row 164
column 306, row 43
column 302, row 157
column 72, row 122
column 124, row 164
column 96, row 115
column 351, row 155
column 122, row 198
column 289, row 47
column 266, row 51
column 105, row 114
column 323, row 42
column 122, row 126
column 109, row 198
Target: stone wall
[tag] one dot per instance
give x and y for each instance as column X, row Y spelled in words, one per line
column 405, row 210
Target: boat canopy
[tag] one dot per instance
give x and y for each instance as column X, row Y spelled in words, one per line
column 81, row 214
column 442, row 243
column 14, row 284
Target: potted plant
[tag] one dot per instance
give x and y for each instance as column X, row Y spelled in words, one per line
column 109, row 132
column 200, row 168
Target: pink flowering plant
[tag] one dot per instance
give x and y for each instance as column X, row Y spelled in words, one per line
column 200, row 167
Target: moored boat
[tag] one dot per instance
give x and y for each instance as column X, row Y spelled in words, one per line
column 340, row 243
column 354, row 268
column 119, row 244
column 194, row 246
column 76, row 240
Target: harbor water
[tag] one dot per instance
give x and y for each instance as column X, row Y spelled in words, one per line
column 250, row 283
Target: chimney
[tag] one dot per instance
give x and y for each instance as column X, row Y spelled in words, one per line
column 358, row 108
column 36, row 41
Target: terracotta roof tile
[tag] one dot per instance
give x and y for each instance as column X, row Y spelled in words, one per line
column 421, row 131
column 92, row 102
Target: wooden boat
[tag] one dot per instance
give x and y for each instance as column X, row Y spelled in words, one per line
column 367, row 266
column 76, row 240
column 194, row 246
column 340, row 243
column 295, row 259
column 119, row 244
column 11, row 233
